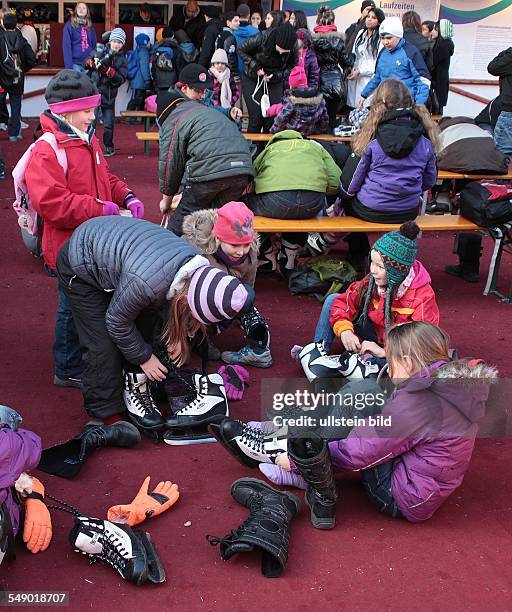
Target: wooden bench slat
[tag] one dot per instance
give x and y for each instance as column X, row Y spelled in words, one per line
column 352, row 224
column 128, row 113
column 445, row 174
column 153, row 136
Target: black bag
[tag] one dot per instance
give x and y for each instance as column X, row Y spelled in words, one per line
column 11, row 70
column 486, row 204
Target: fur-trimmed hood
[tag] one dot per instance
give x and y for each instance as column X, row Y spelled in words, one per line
column 330, row 34
column 305, row 97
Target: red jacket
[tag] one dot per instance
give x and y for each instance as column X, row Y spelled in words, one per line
column 417, row 304
column 64, row 202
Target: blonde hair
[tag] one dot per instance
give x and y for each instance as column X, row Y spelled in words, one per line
column 390, row 95
column 74, row 17
column 423, row 342
column 181, row 326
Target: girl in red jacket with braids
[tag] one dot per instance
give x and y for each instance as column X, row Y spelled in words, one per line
column 66, row 196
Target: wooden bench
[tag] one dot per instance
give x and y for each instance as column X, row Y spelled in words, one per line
column 148, row 117
column 502, row 236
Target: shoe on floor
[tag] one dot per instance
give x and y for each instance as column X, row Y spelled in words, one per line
column 24, row 125
column 67, row 381
column 15, row 138
column 248, row 356
column 108, row 151
column 3, row 127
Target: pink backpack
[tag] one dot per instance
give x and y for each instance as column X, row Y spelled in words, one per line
column 27, row 216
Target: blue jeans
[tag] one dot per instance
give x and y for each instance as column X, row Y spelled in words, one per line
column 503, row 133
column 66, row 348
column 15, row 120
column 323, row 331
column 79, row 68
column 377, row 484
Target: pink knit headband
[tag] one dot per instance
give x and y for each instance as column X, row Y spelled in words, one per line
column 78, row 104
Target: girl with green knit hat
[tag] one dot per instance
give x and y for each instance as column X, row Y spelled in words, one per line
column 397, row 290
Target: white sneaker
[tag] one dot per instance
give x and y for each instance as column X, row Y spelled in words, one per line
column 24, row 125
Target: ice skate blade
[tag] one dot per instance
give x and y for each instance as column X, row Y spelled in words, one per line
column 183, row 437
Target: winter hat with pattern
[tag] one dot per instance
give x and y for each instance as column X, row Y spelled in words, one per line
column 70, row 91
column 286, row 36
column 398, row 250
column 117, row 34
column 220, row 56
column 215, row 296
column 235, row 224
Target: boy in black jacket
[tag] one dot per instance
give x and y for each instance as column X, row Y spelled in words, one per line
column 501, row 66
column 109, row 72
column 16, row 58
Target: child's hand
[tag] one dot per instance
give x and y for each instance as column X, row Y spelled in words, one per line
column 235, row 113
column 154, row 369
column 260, row 72
column 136, row 207
column 165, row 204
column 110, row 208
column 360, row 103
column 350, row 341
column 373, row 348
column 283, row 462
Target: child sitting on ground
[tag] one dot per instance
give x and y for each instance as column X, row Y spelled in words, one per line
column 225, row 92
column 409, row 466
column 303, row 110
column 396, row 291
column 227, row 238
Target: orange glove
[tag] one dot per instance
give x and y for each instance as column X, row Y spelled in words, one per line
column 145, row 504
column 37, row 533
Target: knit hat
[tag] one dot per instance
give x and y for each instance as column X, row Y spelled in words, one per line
column 215, row 296
column 117, row 34
column 398, row 250
column 286, row 36
column 196, row 76
column 234, row 224
column 298, row 78
column 366, row 3
column 211, row 11
column 393, row 26
column 220, row 56
column 445, row 28
column 70, row 91
column 142, row 39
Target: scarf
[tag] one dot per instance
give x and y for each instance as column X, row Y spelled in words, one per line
column 406, row 283
column 85, row 40
column 221, row 256
column 225, row 90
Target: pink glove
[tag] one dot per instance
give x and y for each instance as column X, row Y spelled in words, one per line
column 110, row 208
column 135, row 206
column 234, row 377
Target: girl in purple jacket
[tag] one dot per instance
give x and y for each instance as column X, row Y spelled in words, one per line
column 78, row 38
column 411, row 456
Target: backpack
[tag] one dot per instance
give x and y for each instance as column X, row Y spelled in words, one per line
column 487, row 203
column 28, row 220
column 11, row 67
column 133, row 63
column 164, row 59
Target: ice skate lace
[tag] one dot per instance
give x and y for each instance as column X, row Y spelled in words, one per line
column 203, row 390
column 252, row 318
column 143, row 400
column 113, row 552
column 253, row 438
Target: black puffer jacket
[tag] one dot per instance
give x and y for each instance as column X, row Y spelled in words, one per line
column 333, row 61
column 13, row 40
column 213, row 29
column 200, row 139
column 259, row 51
column 135, row 260
column 501, row 66
column 109, row 85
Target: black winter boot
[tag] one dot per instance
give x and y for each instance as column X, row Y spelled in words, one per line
column 66, row 459
column 313, row 460
column 469, row 250
column 267, row 527
column 112, row 544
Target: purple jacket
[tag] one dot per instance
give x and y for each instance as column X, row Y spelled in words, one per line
column 303, row 111
column 396, row 167
column 308, row 55
column 72, row 46
column 20, row 451
column 431, row 436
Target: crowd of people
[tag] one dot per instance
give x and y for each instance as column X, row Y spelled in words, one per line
column 136, row 300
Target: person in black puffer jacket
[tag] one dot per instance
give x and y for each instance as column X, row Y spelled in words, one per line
column 411, row 22
column 212, row 30
column 118, row 274
column 203, row 142
column 270, row 55
column 333, row 61
column 108, row 73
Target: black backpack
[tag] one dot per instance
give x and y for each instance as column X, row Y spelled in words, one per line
column 487, row 203
column 11, row 67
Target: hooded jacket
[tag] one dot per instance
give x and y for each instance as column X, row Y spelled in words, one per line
column 64, row 202
column 422, row 44
column 433, row 424
column 20, row 451
column 405, row 63
column 142, row 79
column 308, row 56
column 226, row 40
column 194, row 27
column 501, row 66
column 108, row 86
column 198, row 230
column 137, row 262
column 418, row 303
column 16, row 43
column 200, row 139
column 304, row 111
column 246, row 30
column 212, row 30
column 260, row 52
column 332, row 59
column 165, row 79
column 395, row 168
column 290, row 162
